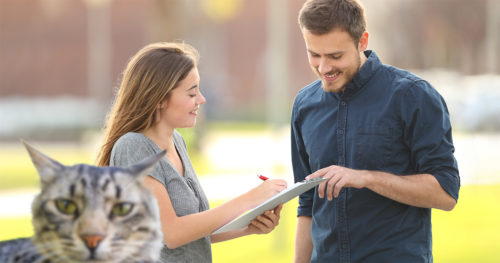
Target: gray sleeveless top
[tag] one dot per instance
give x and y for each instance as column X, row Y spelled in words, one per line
column 185, row 193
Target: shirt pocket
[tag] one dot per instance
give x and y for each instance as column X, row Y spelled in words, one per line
column 375, row 146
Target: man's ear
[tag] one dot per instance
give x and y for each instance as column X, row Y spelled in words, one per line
column 363, row 42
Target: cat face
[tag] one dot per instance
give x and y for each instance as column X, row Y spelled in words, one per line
column 95, row 214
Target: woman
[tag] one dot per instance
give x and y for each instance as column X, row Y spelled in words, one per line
column 159, row 93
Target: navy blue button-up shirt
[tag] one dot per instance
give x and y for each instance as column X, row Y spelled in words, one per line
column 387, row 119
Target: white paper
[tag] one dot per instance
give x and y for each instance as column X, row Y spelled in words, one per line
column 281, row 198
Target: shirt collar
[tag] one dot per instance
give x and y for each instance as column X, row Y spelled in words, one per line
column 364, row 74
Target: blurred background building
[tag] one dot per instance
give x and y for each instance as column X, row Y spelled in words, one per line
column 60, row 61
column 61, row 64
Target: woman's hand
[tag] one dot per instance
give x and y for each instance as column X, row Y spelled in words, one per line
column 266, row 190
column 266, row 222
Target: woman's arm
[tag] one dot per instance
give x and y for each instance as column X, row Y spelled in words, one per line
column 178, row 231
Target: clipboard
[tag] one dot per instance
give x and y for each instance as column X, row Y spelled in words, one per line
column 281, row 198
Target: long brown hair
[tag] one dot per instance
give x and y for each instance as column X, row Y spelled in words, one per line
column 150, row 75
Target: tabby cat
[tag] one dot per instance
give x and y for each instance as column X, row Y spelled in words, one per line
column 90, row 214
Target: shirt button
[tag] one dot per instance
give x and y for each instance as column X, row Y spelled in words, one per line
column 343, row 103
column 341, row 131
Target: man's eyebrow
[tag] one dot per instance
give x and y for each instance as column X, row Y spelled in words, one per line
column 335, row 53
column 329, row 54
column 312, row 52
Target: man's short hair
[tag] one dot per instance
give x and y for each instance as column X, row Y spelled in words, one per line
column 322, row 16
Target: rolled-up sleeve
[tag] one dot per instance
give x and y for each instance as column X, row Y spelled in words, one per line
column 427, row 132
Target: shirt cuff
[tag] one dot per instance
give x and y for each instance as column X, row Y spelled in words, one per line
column 305, row 204
column 450, row 182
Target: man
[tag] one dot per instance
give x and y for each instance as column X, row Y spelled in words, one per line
column 382, row 138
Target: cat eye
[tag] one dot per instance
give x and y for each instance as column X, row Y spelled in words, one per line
column 67, row 207
column 122, row 209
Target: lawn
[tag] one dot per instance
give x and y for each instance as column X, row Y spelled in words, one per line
column 469, row 233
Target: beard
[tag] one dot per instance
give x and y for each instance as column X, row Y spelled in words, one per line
column 346, row 76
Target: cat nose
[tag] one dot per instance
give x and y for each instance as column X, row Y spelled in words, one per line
column 92, row 241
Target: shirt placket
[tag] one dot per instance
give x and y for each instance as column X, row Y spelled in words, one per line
column 342, row 199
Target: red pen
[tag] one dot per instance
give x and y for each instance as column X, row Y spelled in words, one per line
column 263, row 178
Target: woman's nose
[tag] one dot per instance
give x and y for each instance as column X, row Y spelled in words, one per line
column 201, row 99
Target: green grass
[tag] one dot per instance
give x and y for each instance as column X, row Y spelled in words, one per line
column 469, row 233
column 15, row 227
column 17, row 170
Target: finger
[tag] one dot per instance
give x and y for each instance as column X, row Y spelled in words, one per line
column 260, row 225
column 278, row 185
column 267, row 221
column 321, row 189
column 284, row 183
column 257, row 225
column 338, row 187
column 332, row 184
column 277, row 210
column 318, row 173
column 329, row 188
column 279, row 182
column 273, row 218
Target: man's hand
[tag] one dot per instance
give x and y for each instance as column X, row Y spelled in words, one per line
column 337, row 178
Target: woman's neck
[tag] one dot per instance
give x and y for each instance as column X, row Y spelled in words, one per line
column 161, row 136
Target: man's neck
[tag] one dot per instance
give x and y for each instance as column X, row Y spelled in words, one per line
column 363, row 59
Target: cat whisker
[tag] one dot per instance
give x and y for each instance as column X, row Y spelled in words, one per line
column 47, row 256
column 50, row 255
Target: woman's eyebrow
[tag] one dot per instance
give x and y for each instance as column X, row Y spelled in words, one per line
column 193, row 87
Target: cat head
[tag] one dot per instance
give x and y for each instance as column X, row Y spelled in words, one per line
column 87, row 213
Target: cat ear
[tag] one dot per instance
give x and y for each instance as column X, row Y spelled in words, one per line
column 47, row 168
column 145, row 166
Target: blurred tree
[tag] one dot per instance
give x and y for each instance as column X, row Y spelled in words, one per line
column 167, row 20
column 433, row 34
column 221, row 10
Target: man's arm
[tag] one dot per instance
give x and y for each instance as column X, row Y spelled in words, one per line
column 420, row 190
column 300, row 164
column 303, row 241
